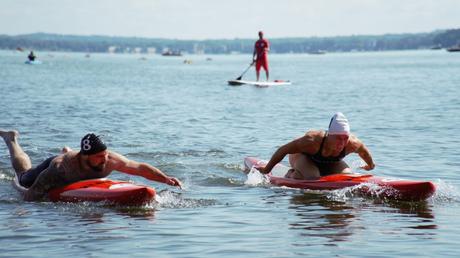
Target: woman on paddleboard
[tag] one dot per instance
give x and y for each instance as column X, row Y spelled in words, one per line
column 321, row 153
column 92, row 161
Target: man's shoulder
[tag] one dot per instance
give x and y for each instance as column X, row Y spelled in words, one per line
column 64, row 156
column 71, row 155
column 117, row 157
column 114, row 154
column 65, row 161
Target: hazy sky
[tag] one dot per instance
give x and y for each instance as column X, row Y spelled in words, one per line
column 215, row 19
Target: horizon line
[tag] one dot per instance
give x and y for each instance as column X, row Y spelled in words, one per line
column 236, row 38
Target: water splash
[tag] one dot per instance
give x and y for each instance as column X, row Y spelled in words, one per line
column 231, row 166
column 5, row 175
column 365, row 189
column 445, row 192
column 255, row 178
column 356, row 164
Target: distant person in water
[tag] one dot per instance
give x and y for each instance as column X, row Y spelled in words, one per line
column 92, row 161
column 320, row 153
column 260, row 55
column 31, row 56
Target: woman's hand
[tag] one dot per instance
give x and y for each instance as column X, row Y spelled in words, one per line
column 174, row 182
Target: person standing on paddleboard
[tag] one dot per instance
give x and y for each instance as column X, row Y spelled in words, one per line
column 260, row 55
column 31, row 56
column 92, row 161
column 321, row 153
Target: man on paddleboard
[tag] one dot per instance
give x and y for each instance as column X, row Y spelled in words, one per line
column 321, row 153
column 260, row 55
column 92, row 161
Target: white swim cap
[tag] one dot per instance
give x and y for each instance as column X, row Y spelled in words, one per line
column 339, row 125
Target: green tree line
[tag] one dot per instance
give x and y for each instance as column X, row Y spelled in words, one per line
column 55, row 42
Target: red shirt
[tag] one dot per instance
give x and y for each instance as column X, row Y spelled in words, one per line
column 261, row 48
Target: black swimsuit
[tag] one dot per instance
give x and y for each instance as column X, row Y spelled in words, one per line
column 27, row 178
column 323, row 162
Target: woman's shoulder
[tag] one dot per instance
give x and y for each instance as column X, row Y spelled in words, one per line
column 353, row 143
column 315, row 134
column 311, row 141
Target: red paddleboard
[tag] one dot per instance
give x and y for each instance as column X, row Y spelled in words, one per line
column 101, row 190
column 398, row 189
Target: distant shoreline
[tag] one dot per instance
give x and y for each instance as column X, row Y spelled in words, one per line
column 105, row 44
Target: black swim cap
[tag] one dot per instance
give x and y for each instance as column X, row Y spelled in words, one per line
column 91, row 144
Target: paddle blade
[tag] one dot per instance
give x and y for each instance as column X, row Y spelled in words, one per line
column 241, row 76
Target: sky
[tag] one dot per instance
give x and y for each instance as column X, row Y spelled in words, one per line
column 227, row 19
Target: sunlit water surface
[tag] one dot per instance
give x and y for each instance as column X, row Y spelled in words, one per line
column 186, row 120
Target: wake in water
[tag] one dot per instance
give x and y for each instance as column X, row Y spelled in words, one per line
column 445, row 192
column 170, row 199
column 94, row 212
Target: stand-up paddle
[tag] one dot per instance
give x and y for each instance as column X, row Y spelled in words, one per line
column 241, row 76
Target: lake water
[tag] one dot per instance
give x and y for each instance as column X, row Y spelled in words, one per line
column 185, row 120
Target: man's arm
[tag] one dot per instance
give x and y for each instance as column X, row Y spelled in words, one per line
column 148, row 171
column 254, row 54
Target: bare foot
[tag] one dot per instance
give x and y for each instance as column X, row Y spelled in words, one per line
column 290, row 173
column 9, row 136
column 294, row 174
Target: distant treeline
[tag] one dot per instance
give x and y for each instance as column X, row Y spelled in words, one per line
column 54, row 42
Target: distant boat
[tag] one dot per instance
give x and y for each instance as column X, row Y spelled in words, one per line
column 454, row 49
column 172, row 53
column 437, row 47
